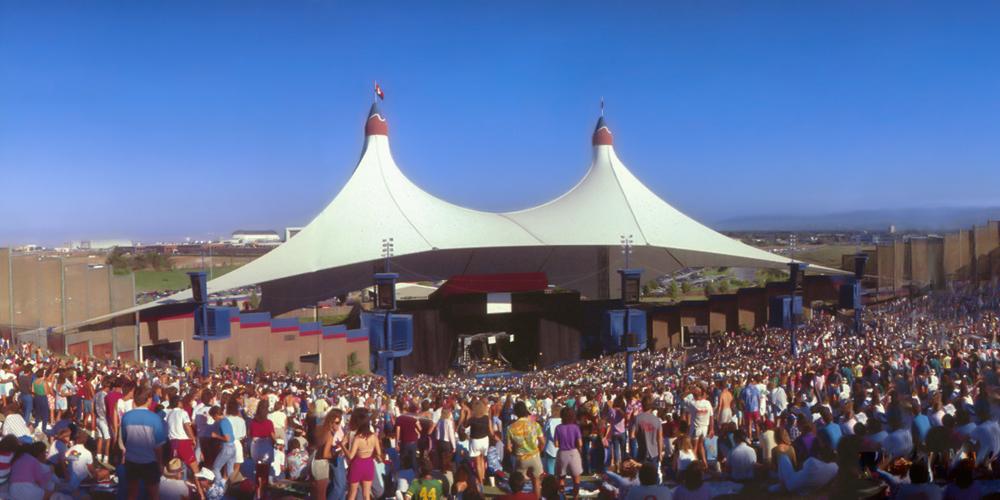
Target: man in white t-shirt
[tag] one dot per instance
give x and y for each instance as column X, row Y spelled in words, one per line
column 700, row 415
column 80, row 460
column 280, row 421
column 742, row 459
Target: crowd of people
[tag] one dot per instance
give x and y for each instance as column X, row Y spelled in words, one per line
column 909, row 409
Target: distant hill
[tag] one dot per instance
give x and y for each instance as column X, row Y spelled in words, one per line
column 905, row 219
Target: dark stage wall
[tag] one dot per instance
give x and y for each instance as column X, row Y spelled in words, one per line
column 548, row 329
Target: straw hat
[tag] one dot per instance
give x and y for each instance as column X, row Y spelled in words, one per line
column 174, row 468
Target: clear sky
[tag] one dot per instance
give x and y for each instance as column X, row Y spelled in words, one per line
column 163, row 119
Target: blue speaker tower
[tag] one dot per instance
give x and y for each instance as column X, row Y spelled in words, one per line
column 210, row 323
column 625, row 329
column 795, row 283
column 860, row 259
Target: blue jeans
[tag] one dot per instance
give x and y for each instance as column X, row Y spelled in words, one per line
column 617, row 446
column 26, row 405
column 548, row 464
column 338, row 479
column 41, row 411
column 226, row 458
column 408, row 456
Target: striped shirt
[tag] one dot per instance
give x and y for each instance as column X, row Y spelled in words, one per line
column 5, row 460
column 142, row 432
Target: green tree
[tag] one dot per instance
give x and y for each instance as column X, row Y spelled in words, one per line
column 685, row 288
column 254, row 299
column 353, row 364
column 709, row 288
column 289, row 367
column 724, row 286
column 674, row 291
column 118, row 261
column 259, row 365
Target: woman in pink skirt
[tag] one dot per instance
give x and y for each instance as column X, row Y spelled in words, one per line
column 363, row 452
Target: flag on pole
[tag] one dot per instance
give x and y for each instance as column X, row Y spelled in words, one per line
column 378, row 92
column 602, row 105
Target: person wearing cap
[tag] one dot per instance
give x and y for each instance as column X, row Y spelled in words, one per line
column 172, row 486
column 212, row 486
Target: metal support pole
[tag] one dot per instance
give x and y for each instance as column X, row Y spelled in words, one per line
column 793, row 280
column 203, row 310
column 204, row 359
column 628, row 354
column 389, row 386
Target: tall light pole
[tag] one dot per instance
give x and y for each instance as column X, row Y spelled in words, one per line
column 385, row 300
column 630, row 292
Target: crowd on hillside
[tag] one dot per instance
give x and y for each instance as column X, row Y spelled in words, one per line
column 908, row 410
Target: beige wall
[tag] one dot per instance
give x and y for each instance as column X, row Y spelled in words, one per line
column 246, row 345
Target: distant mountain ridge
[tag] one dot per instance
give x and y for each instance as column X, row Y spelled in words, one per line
column 905, row 219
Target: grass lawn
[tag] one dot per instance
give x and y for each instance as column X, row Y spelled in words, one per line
column 827, row 255
column 148, row 280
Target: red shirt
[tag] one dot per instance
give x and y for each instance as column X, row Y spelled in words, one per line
column 111, row 403
column 407, row 425
column 261, row 429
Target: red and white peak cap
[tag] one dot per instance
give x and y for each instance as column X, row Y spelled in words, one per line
column 602, row 134
column 376, row 124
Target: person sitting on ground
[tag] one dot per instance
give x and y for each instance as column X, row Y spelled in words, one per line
column 517, row 482
column 693, row 486
column 172, row 487
column 742, row 461
column 649, row 485
column 30, row 478
column 80, row 460
column 425, row 487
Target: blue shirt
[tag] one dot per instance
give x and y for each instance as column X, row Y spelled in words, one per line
column 833, row 434
column 142, row 432
column 751, row 398
column 226, row 429
column 922, row 425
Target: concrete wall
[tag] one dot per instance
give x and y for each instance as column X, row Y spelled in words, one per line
column 918, row 273
column 723, row 313
column 958, row 256
column 752, row 306
column 249, row 343
column 6, row 306
column 987, row 250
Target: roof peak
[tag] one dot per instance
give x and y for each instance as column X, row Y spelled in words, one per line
column 602, row 134
column 376, row 124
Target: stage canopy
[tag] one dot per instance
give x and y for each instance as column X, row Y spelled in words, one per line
column 574, row 239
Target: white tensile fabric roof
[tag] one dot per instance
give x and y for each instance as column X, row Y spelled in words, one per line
column 379, row 202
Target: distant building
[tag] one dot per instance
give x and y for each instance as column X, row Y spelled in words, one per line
column 291, row 231
column 100, row 244
column 892, row 229
column 253, row 237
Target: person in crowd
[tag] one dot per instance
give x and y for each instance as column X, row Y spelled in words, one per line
column 172, row 484
column 425, row 487
column 143, row 434
column 30, row 477
column 481, row 433
column 649, row 487
column 364, row 450
column 524, row 440
column 568, row 440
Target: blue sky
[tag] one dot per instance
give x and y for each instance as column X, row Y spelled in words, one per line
column 159, row 120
